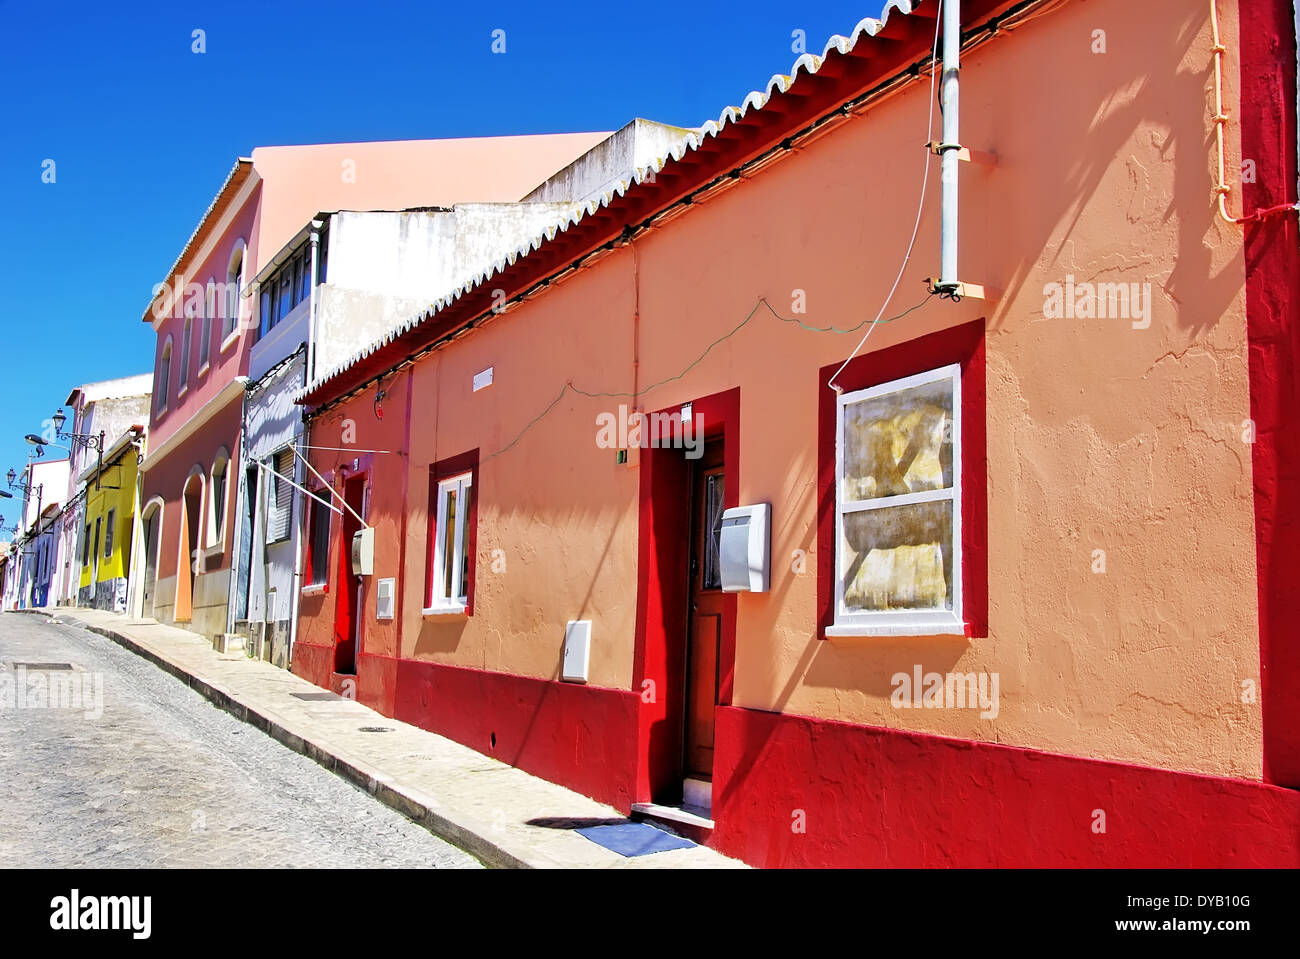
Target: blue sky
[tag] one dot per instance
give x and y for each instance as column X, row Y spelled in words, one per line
column 142, row 130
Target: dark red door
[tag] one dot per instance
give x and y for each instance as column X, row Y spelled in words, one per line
column 347, row 618
column 708, row 490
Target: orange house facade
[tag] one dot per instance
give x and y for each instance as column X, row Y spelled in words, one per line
column 1021, row 598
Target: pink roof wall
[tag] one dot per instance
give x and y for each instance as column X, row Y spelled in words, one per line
column 301, row 181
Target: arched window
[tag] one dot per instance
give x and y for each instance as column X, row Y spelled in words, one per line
column 217, row 499
column 205, row 327
column 183, row 374
column 234, row 286
column 162, row 377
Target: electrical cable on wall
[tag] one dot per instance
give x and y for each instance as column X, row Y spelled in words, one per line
column 569, row 387
column 920, row 208
column 1220, row 120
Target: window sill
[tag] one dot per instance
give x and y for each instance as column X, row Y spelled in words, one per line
column 182, row 391
column 230, row 340
column 943, row 627
column 203, row 370
column 318, row 589
column 445, row 612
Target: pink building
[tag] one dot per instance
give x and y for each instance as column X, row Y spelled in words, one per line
column 207, row 325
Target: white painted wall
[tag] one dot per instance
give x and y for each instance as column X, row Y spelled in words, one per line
column 273, row 420
column 636, row 146
column 386, row 268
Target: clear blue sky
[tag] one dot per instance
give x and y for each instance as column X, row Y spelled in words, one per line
column 143, row 131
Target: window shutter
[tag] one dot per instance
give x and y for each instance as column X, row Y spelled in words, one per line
column 282, row 506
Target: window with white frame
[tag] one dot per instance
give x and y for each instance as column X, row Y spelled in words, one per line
column 183, row 375
column 898, row 507
column 210, row 300
column 234, row 286
column 280, row 507
column 450, row 534
column 318, row 541
column 163, row 376
column 217, row 501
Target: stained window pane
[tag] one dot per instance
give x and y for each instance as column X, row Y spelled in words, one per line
column 449, row 543
column 285, row 299
column 468, row 492
column 899, row 442
column 713, row 496
column 304, row 277
column 898, row 558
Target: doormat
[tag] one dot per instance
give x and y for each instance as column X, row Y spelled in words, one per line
column 630, row 839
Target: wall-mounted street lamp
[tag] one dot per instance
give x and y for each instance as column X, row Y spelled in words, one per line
column 22, row 485
column 87, row 441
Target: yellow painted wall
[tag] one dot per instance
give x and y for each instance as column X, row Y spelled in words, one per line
column 99, row 502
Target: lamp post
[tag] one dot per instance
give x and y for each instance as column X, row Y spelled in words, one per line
column 87, row 441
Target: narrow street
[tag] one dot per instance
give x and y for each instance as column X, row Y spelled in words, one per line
column 161, row 777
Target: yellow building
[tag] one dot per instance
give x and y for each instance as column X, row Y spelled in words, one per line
column 104, row 545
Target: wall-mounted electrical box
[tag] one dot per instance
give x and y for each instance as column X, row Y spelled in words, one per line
column 577, row 650
column 384, row 596
column 745, row 550
column 363, row 552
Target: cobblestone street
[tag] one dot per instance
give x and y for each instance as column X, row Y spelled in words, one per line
column 164, row 778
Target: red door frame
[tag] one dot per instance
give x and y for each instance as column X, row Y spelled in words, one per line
column 663, row 597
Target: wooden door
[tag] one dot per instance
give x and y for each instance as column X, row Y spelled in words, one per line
column 708, row 489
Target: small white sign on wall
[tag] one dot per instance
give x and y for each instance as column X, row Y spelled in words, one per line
column 483, row 380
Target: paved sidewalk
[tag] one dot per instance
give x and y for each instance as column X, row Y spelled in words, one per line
column 473, row 801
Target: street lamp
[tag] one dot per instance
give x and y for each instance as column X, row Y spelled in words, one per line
column 87, row 441
column 23, row 485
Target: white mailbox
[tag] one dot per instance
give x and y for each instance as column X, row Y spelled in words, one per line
column 745, row 548
column 363, row 552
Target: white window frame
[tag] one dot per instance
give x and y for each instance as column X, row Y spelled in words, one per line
column 216, row 538
column 163, row 377
column 458, row 601
column 900, row 622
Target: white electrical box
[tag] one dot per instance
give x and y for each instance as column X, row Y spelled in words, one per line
column 577, row 650
column 363, row 552
column 384, row 593
column 745, row 549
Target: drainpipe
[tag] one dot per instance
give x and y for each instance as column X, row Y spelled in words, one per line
column 310, row 372
column 296, row 584
column 236, row 527
column 951, row 143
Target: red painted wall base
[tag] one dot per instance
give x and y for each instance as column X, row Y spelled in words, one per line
column 867, row 796
column 313, row 663
column 583, row 737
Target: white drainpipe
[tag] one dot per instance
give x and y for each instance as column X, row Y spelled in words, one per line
column 951, row 143
column 311, row 306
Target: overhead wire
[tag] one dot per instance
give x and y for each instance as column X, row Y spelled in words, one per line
column 920, row 206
